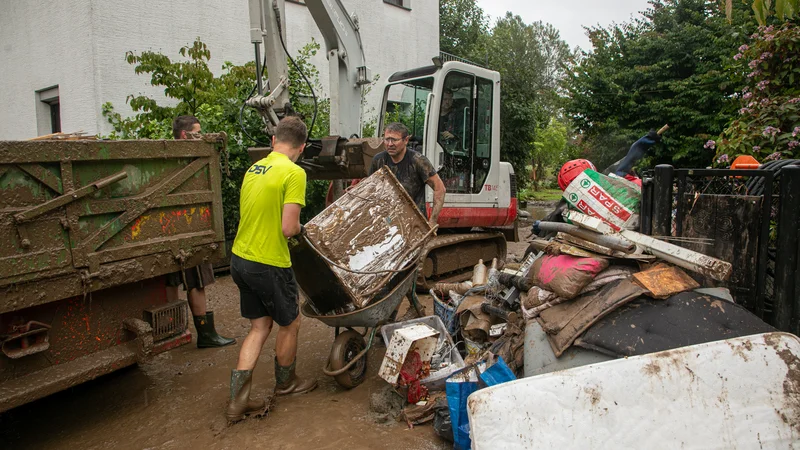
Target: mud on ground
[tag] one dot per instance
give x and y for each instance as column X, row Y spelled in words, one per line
column 177, row 401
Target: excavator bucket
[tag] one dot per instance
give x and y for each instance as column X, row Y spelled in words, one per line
column 333, row 157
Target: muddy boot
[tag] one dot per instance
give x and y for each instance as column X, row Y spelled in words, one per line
column 287, row 382
column 206, row 333
column 241, row 404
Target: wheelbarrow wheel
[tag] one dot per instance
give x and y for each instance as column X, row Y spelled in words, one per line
column 346, row 347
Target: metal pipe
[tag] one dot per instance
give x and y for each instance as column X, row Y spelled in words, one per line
column 662, row 200
column 613, row 242
column 258, row 68
column 787, row 310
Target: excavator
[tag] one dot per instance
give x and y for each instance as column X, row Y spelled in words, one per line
column 480, row 209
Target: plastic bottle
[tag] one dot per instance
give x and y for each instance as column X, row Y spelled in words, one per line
column 479, row 274
column 460, row 288
column 494, row 274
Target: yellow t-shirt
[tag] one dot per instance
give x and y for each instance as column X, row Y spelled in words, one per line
column 268, row 185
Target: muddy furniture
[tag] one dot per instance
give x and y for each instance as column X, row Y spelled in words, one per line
column 355, row 264
column 87, row 231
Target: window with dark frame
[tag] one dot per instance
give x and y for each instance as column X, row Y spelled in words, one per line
column 400, row 3
column 55, row 116
column 48, row 111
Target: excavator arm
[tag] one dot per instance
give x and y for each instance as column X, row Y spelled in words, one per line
column 348, row 71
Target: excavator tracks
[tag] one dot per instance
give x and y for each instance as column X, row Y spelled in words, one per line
column 451, row 257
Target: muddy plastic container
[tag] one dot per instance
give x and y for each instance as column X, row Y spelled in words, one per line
column 358, row 248
column 436, row 380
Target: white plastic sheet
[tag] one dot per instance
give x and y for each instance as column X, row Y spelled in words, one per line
column 739, row 393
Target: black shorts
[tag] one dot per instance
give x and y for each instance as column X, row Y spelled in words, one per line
column 265, row 291
column 196, row 277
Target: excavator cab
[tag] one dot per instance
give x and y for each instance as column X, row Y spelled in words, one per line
column 452, row 113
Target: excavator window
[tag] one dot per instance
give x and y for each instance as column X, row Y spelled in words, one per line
column 455, row 132
column 407, row 103
column 483, row 132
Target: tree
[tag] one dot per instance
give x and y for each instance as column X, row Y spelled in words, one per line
column 217, row 102
column 768, row 124
column 527, row 57
column 530, row 59
column 784, row 9
column 550, row 148
column 665, row 68
column 463, row 28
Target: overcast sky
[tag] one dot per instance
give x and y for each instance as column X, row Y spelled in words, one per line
column 568, row 16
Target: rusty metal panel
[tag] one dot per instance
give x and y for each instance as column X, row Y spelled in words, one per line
column 365, row 239
column 79, row 216
column 663, row 280
column 732, row 225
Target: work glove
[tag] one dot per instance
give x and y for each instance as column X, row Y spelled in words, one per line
column 637, row 152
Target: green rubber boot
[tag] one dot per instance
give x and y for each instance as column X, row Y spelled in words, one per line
column 287, row 382
column 207, row 336
column 241, row 404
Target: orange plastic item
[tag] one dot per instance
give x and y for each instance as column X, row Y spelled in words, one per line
column 745, row 162
column 571, row 169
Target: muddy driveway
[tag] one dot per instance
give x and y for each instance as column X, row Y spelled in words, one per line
column 177, row 400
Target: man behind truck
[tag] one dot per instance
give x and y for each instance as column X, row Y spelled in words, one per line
column 195, row 279
column 273, row 192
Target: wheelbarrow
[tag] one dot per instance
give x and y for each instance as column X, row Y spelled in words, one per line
column 347, row 362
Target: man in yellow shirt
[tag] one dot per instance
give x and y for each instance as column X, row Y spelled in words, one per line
column 273, row 192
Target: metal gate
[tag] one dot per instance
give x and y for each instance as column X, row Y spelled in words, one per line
column 745, row 217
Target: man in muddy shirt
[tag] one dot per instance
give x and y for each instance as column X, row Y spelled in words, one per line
column 411, row 168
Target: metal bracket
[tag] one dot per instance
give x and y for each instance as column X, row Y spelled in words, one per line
column 144, row 335
column 69, row 197
column 27, row 339
column 264, row 105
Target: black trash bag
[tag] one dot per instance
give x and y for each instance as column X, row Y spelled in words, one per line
column 442, row 425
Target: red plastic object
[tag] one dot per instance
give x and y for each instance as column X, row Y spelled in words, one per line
column 571, row 169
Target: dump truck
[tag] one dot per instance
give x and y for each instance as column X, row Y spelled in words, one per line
column 89, row 229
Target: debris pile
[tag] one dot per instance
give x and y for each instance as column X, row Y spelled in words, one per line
column 591, row 265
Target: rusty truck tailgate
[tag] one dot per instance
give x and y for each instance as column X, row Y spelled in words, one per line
column 79, row 216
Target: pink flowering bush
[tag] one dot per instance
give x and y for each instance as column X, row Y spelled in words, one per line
column 768, row 125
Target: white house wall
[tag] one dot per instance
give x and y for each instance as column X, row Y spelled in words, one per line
column 81, row 48
column 42, row 44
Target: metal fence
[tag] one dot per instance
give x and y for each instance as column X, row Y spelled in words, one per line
column 444, row 56
column 747, row 217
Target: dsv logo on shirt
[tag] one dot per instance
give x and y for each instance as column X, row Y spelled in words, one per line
column 258, row 169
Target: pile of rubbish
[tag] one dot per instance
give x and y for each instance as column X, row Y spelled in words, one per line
column 585, row 264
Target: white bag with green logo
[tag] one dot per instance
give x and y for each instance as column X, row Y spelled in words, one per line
column 610, row 198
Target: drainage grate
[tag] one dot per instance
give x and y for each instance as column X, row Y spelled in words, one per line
column 168, row 320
